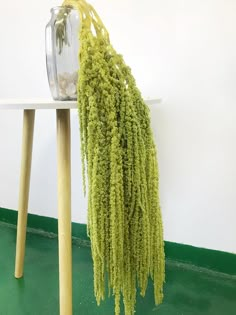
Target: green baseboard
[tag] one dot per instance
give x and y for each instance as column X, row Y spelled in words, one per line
column 44, row 224
column 201, row 257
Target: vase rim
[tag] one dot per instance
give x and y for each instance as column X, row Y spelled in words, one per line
column 58, row 7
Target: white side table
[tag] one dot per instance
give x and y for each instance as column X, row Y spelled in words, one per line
column 64, row 187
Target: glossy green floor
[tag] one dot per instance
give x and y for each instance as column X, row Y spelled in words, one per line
column 188, row 290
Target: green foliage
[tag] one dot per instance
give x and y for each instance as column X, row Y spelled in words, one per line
column 118, row 150
column 60, row 28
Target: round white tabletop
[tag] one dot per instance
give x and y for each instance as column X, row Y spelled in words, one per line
column 48, row 104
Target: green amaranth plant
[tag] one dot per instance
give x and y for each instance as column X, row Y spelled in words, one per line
column 124, row 216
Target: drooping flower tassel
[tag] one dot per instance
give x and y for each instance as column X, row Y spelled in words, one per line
column 118, row 151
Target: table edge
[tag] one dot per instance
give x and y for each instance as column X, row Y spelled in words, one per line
column 49, row 104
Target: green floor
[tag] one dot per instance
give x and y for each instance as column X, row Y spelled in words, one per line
column 188, row 290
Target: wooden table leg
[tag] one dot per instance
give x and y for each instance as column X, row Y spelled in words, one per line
column 27, row 146
column 64, row 208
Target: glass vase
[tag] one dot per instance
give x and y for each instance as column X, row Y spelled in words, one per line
column 62, row 48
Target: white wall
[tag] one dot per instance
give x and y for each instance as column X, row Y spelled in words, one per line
column 183, row 51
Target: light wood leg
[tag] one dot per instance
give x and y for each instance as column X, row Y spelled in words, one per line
column 64, row 208
column 27, row 146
